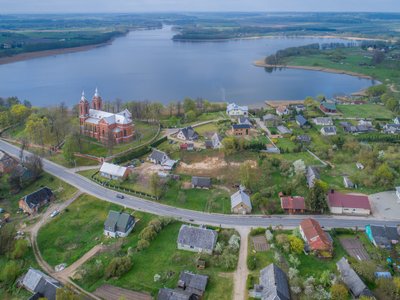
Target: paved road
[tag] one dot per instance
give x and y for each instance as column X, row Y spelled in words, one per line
column 92, row 188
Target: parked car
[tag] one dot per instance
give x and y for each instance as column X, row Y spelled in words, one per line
column 2, row 210
column 54, row 213
column 120, row 196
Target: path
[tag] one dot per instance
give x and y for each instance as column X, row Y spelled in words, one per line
column 240, row 275
column 320, row 160
column 85, row 168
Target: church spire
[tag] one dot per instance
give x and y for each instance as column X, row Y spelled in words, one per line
column 96, row 92
column 83, row 96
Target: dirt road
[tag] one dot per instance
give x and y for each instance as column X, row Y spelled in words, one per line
column 240, row 276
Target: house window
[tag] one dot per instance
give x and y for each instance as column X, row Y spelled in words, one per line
column 103, row 132
column 124, row 132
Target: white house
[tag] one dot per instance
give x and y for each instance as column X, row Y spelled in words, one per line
column 118, row 224
column 323, row 121
column 282, row 110
column 161, row 158
column 197, row 239
column 216, row 141
column 396, row 120
column 187, row 134
column 112, row 171
column 348, row 204
column 328, row 130
column 240, row 202
column 234, row 110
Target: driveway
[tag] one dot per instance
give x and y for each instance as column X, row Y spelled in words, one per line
column 240, row 276
column 385, row 205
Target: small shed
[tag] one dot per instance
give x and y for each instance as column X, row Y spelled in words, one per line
column 201, row 182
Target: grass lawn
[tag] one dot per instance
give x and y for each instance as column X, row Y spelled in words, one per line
column 365, row 111
column 62, row 190
column 162, row 257
column 75, row 231
column 207, row 129
column 286, row 145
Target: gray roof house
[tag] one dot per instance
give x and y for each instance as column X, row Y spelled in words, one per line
column 216, row 141
column 350, row 278
column 328, row 130
column 323, row 121
column 32, row 202
column 272, row 120
column 187, row 134
column 118, row 224
column 197, row 239
column 201, row 182
column 348, row 183
column 273, row 284
column 244, row 120
column 312, row 175
column 304, row 138
column 190, row 287
column 40, row 284
column 240, row 202
column 300, row 120
column 382, row 236
column 283, row 129
column 158, row 157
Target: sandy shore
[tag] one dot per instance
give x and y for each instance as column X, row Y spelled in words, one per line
column 260, row 63
column 38, row 54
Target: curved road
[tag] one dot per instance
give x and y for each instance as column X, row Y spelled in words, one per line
column 92, row 188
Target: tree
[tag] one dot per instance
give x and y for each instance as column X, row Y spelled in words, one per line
column 142, row 244
column 156, row 185
column 190, row 116
column 110, row 142
column 296, row 244
column 384, row 175
column 37, row 129
column 189, row 105
column 20, row 249
column 316, row 199
column 10, row 273
column 378, row 57
column 229, row 145
column 366, row 270
column 19, row 112
column 69, row 148
column 34, row 165
column 299, row 167
column 118, row 267
column 245, row 174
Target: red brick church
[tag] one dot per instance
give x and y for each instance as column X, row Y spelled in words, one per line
column 103, row 125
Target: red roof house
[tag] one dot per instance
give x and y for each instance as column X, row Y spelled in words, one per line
column 348, row 204
column 292, row 205
column 317, row 240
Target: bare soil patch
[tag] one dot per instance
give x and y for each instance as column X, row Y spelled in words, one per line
column 110, row 292
column 260, row 243
column 354, row 248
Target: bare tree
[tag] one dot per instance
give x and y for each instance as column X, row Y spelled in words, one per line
column 110, row 142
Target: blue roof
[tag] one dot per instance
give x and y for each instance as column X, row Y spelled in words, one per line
column 301, row 120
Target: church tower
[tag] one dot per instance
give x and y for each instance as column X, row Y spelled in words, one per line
column 83, row 110
column 97, row 101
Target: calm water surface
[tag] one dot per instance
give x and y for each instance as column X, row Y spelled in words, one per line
column 149, row 65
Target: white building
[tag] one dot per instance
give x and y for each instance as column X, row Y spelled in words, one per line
column 112, row 171
column 328, row 130
column 234, row 110
column 323, row 121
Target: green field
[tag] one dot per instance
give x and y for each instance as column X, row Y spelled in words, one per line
column 371, row 111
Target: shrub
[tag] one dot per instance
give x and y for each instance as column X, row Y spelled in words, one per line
column 10, row 273
column 252, row 262
column 118, row 267
column 142, row 244
column 20, row 249
column 257, row 231
column 296, row 244
column 250, row 282
column 339, row 292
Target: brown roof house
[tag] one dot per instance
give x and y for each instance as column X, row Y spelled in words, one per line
column 7, row 163
column 292, row 204
column 348, row 204
column 241, row 129
column 197, row 239
column 317, row 240
column 240, row 202
column 33, row 202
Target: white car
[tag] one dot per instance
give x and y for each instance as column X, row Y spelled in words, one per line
column 54, row 213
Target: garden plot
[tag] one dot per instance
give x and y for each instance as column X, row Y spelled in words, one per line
column 110, row 292
column 354, row 248
column 260, row 243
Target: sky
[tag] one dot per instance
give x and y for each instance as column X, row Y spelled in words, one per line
column 109, row 6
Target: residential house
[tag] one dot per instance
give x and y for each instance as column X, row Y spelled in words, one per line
column 31, row 203
column 244, row 120
column 304, row 139
column 382, row 236
column 359, row 166
column 208, row 144
column 348, row 204
column 365, row 123
column 190, row 287
column 161, row 158
column 283, row 130
column 187, row 146
column 7, row 163
column 392, row 128
column 197, row 239
column 317, row 240
column 40, row 284
column 348, row 183
column 299, row 107
column 241, row 129
column 187, row 134
column 273, row 284
column 292, row 204
column 118, row 224
column 216, row 141
column 201, row 182
column 328, row 107
column 272, row 120
column 351, row 279
column 114, row 172
column 396, row 120
column 301, row 121
column 240, row 202
column 323, row 121
column 282, row 110
column 234, row 110
column 312, row 175
column 328, row 130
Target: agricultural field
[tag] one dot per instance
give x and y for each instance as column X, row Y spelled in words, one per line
column 367, row 111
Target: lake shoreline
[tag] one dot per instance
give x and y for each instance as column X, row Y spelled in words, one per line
column 262, row 64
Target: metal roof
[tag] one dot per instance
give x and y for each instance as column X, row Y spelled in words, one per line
column 198, row 237
column 112, row 169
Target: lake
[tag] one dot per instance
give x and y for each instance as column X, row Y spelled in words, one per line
column 148, row 65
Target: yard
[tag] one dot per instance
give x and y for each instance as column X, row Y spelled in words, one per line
column 207, row 130
column 373, row 111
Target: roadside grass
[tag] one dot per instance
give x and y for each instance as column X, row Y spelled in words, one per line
column 163, row 258
column 75, row 231
column 62, row 190
column 373, row 111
